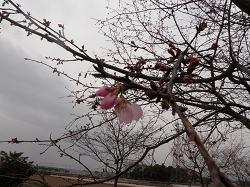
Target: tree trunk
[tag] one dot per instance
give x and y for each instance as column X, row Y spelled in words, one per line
column 208, row 181
column 116, row 181
column 244, row 5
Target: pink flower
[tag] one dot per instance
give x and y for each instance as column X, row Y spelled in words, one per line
column 109, row 100
column 127, row 112
column 110, row 96
column 105, row 90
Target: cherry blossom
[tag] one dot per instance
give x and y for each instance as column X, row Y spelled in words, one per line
column 105, row 90
column 110, row 96
column 127, row 112
column 109, row 100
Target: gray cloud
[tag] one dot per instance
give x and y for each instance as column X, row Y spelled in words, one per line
column 30, row 106
column 29, row 92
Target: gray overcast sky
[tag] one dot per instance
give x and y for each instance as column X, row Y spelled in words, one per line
column 30, row 106
column 30, row 103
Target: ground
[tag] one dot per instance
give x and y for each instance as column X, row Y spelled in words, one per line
column 56, row 182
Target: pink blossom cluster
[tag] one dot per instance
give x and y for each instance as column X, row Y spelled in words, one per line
column 139, row 66
column 188, row 79
column 140, row 63
column 171, row 60
column 126, row 111
column 194, row 61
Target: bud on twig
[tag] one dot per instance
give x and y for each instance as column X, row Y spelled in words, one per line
column 153, row 85
column 171, row 60
column 164, row 67
column 171, row 45
column 171, row 52
column 202, row 26
column 157, row 65
column 215, row 45
column 173, row 111
column 188, row 79
column 178, row 52
column 165, row 104
column 99, row 62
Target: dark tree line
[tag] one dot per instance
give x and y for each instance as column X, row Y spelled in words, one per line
column 163, row 173
column 14, row 169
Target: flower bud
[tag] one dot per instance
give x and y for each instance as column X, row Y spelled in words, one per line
column 178, row 52
column 157, row 65
column 171, row 52
column 171, row 45
column 173, row 111
column 161, row 81
column 188, row 78
column 215, row 45
column 171, row 60
column 202, row 26
column 153, row 85
column 164, row 68
column 165, row 104
column 188, row 58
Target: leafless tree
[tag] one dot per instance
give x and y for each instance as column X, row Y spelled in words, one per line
column 228, row 154
column 235, row 161
column 192, row 56
column 115, row 144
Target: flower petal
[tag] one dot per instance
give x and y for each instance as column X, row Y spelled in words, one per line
column 126, row 117
column 124, row 113
column 117, row 101
column 108, row 101
column 137, row 111
column 103, row 91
